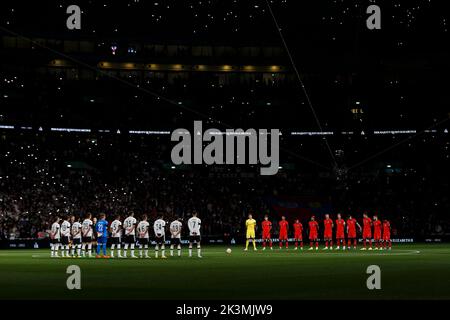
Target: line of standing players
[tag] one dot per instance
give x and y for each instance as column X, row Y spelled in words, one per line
column 77, row 239
column 345, row 233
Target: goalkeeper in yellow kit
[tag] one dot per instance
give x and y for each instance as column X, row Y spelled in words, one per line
column 251, row 225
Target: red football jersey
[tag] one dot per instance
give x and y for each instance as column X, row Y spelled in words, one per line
column 283, row 225
column 298, row 227
column 340, row 224
column 266, row 226
column 313, row 226
column 367, row 223
column 386, row 227
column 377, row 226
column 351, row 223
column 328, row 223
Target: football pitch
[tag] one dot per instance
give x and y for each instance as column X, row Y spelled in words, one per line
column 420, row 271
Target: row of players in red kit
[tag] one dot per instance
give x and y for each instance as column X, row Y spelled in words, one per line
column 381, row 233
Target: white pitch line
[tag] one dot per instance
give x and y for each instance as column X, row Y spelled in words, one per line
column 301, row 254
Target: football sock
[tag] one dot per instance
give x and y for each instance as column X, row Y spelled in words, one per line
column 246, row 244
column 179, row 250
column 190, row 251
column 254, row 244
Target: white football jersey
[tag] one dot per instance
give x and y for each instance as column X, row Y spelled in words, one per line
column 142, row 229
column 175, row 229
column 194, row 224
column 158, row 227
column 76, row 230
column 129, row 224
column 65, row 228
column 86, row 228
column 56, row 230
column 115, row 229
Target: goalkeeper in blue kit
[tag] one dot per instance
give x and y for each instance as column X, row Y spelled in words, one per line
column 102, row 235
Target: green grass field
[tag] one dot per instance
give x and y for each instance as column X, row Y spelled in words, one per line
column 407, row 272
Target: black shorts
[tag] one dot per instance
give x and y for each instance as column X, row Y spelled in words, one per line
column 54, row 241
column 193, row 239
column 130, row 239
column 143, row 241
column 87, row 239
column 76, row 241
column 160, row 240
column 115, row 240
column 65, row 240
column 175, row 241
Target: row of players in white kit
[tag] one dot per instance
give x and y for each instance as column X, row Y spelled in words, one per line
column 72, row 235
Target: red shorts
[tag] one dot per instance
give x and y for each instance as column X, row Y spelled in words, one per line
column 387, row 237
column 352, row 234
column 313, row 236
column 328, row 235
column 266, row 235
column 367, row 234
column 377, row 236
column 298, row 236
column 283, row 236
column 340, row 236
